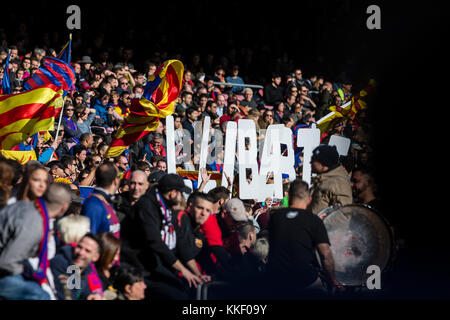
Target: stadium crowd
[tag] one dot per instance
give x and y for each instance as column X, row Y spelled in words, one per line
column 135, row 236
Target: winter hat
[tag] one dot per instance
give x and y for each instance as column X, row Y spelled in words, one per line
column 326, row 155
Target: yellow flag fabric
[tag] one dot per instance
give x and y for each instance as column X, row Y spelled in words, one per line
column 20, row 156
column 29, row 112
column 160, row 93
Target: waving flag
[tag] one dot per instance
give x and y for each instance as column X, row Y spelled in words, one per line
column 20, row 156
column 53, row 71
column 26, row 113
column 158, row 102
column 6, row 84
column 348, row 110
column 64, row 55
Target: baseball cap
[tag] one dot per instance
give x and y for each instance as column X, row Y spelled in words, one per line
column 156, row 176
column 326, row 155
column 173, row 181
column 236, row 209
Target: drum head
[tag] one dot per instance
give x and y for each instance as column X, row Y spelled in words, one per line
column 359, row 238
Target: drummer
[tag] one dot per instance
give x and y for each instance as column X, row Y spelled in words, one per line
column 331, row 185
column 294, row 235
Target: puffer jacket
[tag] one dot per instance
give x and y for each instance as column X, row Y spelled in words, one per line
column 330, row 189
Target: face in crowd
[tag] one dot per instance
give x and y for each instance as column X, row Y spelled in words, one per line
column 138, row 184
column 200, row 210
column 86, row 252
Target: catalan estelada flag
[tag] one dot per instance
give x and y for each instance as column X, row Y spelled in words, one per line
column 158, row 101
column 26, row 113
column 52, row 71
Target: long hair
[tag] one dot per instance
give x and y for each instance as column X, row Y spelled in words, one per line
column 110, row 246
column 24, row 185
column 6, row 178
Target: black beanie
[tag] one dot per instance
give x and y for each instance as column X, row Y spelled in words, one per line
column 326, row 155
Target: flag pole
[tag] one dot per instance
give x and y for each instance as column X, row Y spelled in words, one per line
column 61, row 113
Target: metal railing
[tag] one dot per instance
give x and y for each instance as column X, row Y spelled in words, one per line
column 256, row 86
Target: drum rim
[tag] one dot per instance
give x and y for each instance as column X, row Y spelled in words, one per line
column 385, row 221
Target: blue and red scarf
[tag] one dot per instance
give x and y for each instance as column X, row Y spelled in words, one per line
column 72, row 126
column 95, row 284
column 41, row 273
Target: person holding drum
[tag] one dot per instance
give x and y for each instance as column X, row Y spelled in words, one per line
column 294, row 236
column 331, row 185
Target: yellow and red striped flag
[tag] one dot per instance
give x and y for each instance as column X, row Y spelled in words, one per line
column 20, row 156
column 348, row 110
column 26, row 113
column 160, row 93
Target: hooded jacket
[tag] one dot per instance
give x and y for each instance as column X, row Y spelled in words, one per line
column 331, row 188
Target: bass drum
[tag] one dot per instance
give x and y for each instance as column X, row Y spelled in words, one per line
column 359, row 237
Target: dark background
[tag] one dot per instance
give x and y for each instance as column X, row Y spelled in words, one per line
column 408, row 57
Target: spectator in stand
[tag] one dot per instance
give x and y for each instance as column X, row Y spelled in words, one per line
column 154, row 147
column 279, row 111
column 80, row 152
column 109, row 257
column 266, row 120
column 138, row 187
column 87, row 252
column 98, row 207
column 248, row 102
column 20, row 241
column 186, row 102
column 236, row 79
column 71, row 132
column 188, row 124
column 150, row 240
column 6, row 179
column 273, row 92
column 85, row 118
column 129, row 283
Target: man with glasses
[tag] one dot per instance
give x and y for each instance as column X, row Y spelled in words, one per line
column 309, row 103
column 123, row 86
column 70, row 167
column 121, row 163
column 248, row 102
column 299, row 81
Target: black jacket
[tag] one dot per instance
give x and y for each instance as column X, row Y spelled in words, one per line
column 141, row 235
column 273, row 95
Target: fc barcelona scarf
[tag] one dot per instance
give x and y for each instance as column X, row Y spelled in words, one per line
column 41, row 273
column 95, row 285
column 168, row 235
column 73, row 127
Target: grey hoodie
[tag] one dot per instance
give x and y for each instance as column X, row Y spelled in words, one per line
column 21, row 231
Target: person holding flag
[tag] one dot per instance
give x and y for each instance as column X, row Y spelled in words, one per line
column 158, row 101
